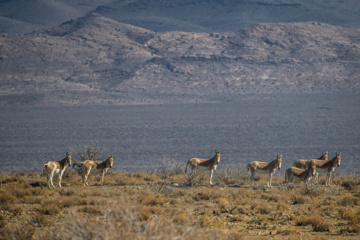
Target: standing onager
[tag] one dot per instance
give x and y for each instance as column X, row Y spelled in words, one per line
column 298, row 174
column 90, row 165
column 264, row 168
column 302, row 162
column 326, row 166
column 205, row 164
column 59, row 167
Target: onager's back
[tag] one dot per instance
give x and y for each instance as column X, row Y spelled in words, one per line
column 301, row 163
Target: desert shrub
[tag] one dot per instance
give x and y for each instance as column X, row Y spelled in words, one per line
column 164, row 188
column 72, row 201
column 348, row 201
column 262, row 208
column 153, row 200
column 128, row 178
column 231, row 175
column 121, row 220
column 312, row 190
column 318, row 224
column 19, row 230
column 270, row 197
column 12, row 177
column 6, row 197
column 204, row 221
column 144, row 176
column 39, row 220
column 194, row 178
column 350, row 214
column 297, row 200
column 67, row 191
column 50, row 206
column 90, row 210
column 93, row 152
column 170, row 167
column 181, row 217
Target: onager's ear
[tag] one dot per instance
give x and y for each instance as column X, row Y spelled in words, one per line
column 108, row 155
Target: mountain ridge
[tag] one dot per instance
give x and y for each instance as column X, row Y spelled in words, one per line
column 96, row 60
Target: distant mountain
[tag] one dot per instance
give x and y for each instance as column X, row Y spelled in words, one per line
column 24, row 16
column 96, row 60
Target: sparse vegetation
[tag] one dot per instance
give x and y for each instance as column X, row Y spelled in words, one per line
column 146, row 205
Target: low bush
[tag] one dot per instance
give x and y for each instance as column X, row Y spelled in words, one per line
column 318, row 224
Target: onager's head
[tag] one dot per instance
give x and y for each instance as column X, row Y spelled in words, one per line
column 338, row 159
column 279, row 159
column 217, row 156
column 68, row 156
column 110, row 158
column 324, row 155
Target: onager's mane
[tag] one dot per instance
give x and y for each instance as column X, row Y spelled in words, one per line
column 264, row 168
column 209, row 164
column 89, row 165
column 52, row 167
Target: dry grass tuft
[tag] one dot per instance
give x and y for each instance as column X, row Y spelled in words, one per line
column 319, row 224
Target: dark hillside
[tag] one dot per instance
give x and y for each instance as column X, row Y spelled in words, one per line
column 98, row 60
column 24, row 16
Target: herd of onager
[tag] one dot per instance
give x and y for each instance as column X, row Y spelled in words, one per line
column 302, row 170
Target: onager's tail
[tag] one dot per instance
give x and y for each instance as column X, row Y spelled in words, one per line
column 44, row 169
column 248, row 167
column 78, row 164
column 187, row 163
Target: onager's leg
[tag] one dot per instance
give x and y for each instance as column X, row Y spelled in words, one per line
column 86, row 174
column 102, row 178
column 328, row 179
column 60, row 175
column 48, row 178
column 210, row 176
column 252, row 177
column 51, row 179
column 269, row 180
column 83, row 177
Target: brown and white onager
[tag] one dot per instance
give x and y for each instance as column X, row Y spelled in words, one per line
column 264, row 168
column 326, row 166
column 205, row 164
column 302, row 162
column 51, row 168
column 95, row 166
column 298, row 174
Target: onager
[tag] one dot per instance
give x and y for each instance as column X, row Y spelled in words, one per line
column 326, row 166
column 302, row 162
column 298, row 174
column 51, row 168
column 205, row 164
column 90, row 165
column 264, row 168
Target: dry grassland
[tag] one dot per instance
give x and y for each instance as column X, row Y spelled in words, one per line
column 163, row 205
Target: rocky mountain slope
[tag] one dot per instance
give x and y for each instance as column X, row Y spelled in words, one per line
column 96, row 60
column 24, row 16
